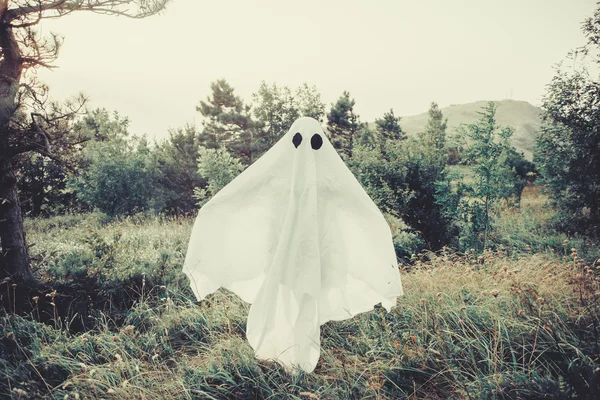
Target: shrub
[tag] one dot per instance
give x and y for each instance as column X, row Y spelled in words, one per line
column 218, row 167
column 119, row 178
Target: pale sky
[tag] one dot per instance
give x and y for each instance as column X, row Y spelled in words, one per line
column 400, row 54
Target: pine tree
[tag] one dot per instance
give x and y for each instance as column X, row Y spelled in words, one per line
column 435, row 131
column 177, row 163
column 227, row 122
column 343, row 124
column 389, row 127
column 488, row 150
column 388, row 130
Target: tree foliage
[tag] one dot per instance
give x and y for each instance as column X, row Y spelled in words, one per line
column 568, row 146
column 177, row 171
column 119, row 178
column 277, row 107
column 435, row 131
column 403, row 183
column 308, row 100
column 43, row 175
column 388, row 127
column 116, row 174
column 218, row 168
column 343, row 124
column 487, row 149
column 227, row 122
column 366, row 137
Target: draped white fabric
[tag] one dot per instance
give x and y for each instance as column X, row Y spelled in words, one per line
column 297, row 237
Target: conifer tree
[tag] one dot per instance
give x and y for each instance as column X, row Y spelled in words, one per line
column 388, row 127
column 227, row 122
column 487, row 150
column 343, row 124
column 435, row 131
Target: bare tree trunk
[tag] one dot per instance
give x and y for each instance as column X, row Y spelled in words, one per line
column 14, row 261
column 14, row 258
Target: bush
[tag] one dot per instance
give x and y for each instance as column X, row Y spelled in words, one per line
column 407, row 243
column 176, row 161
column 403, row 183
column 218, row 167
column 119, row 179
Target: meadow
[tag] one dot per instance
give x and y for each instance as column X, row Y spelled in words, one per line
column 518, row 322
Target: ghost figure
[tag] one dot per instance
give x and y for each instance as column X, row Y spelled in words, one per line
column 297, row 237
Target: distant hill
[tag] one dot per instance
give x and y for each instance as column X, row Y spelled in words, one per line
column 521, row 115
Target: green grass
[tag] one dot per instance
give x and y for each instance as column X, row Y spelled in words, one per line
column 526, row 229
column 512, row 324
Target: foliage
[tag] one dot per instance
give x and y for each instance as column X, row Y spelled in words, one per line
column 343, row 124
column 435, row 131
column 101, row 125
column 309, row 102
column 277, row 107
column 568, row 146
column 487, row 151
column 403, row 176
column 407, row 242
column 366, row 137
column 388, row 127
column 402, row 182
column 42, row 186
column 218, row 168
column 119, row 178
column 43, row 176
column 228, row 122
column 523, row 173
column 176, row 161
column 526, row 229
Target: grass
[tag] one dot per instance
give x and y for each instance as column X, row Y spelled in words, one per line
column 527, row 229
column 517, row 323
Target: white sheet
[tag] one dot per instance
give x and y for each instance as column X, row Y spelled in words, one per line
column 297, row 237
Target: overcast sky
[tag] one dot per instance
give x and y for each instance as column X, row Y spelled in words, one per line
column 399, row 54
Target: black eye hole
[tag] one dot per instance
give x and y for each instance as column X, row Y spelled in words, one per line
column 316, row 141
column 297, row 139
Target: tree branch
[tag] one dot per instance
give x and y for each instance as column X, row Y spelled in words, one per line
column 112, row 7
column 31, row 61
column 25, row 10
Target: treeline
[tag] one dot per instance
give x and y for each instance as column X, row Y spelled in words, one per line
column 414, row 180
